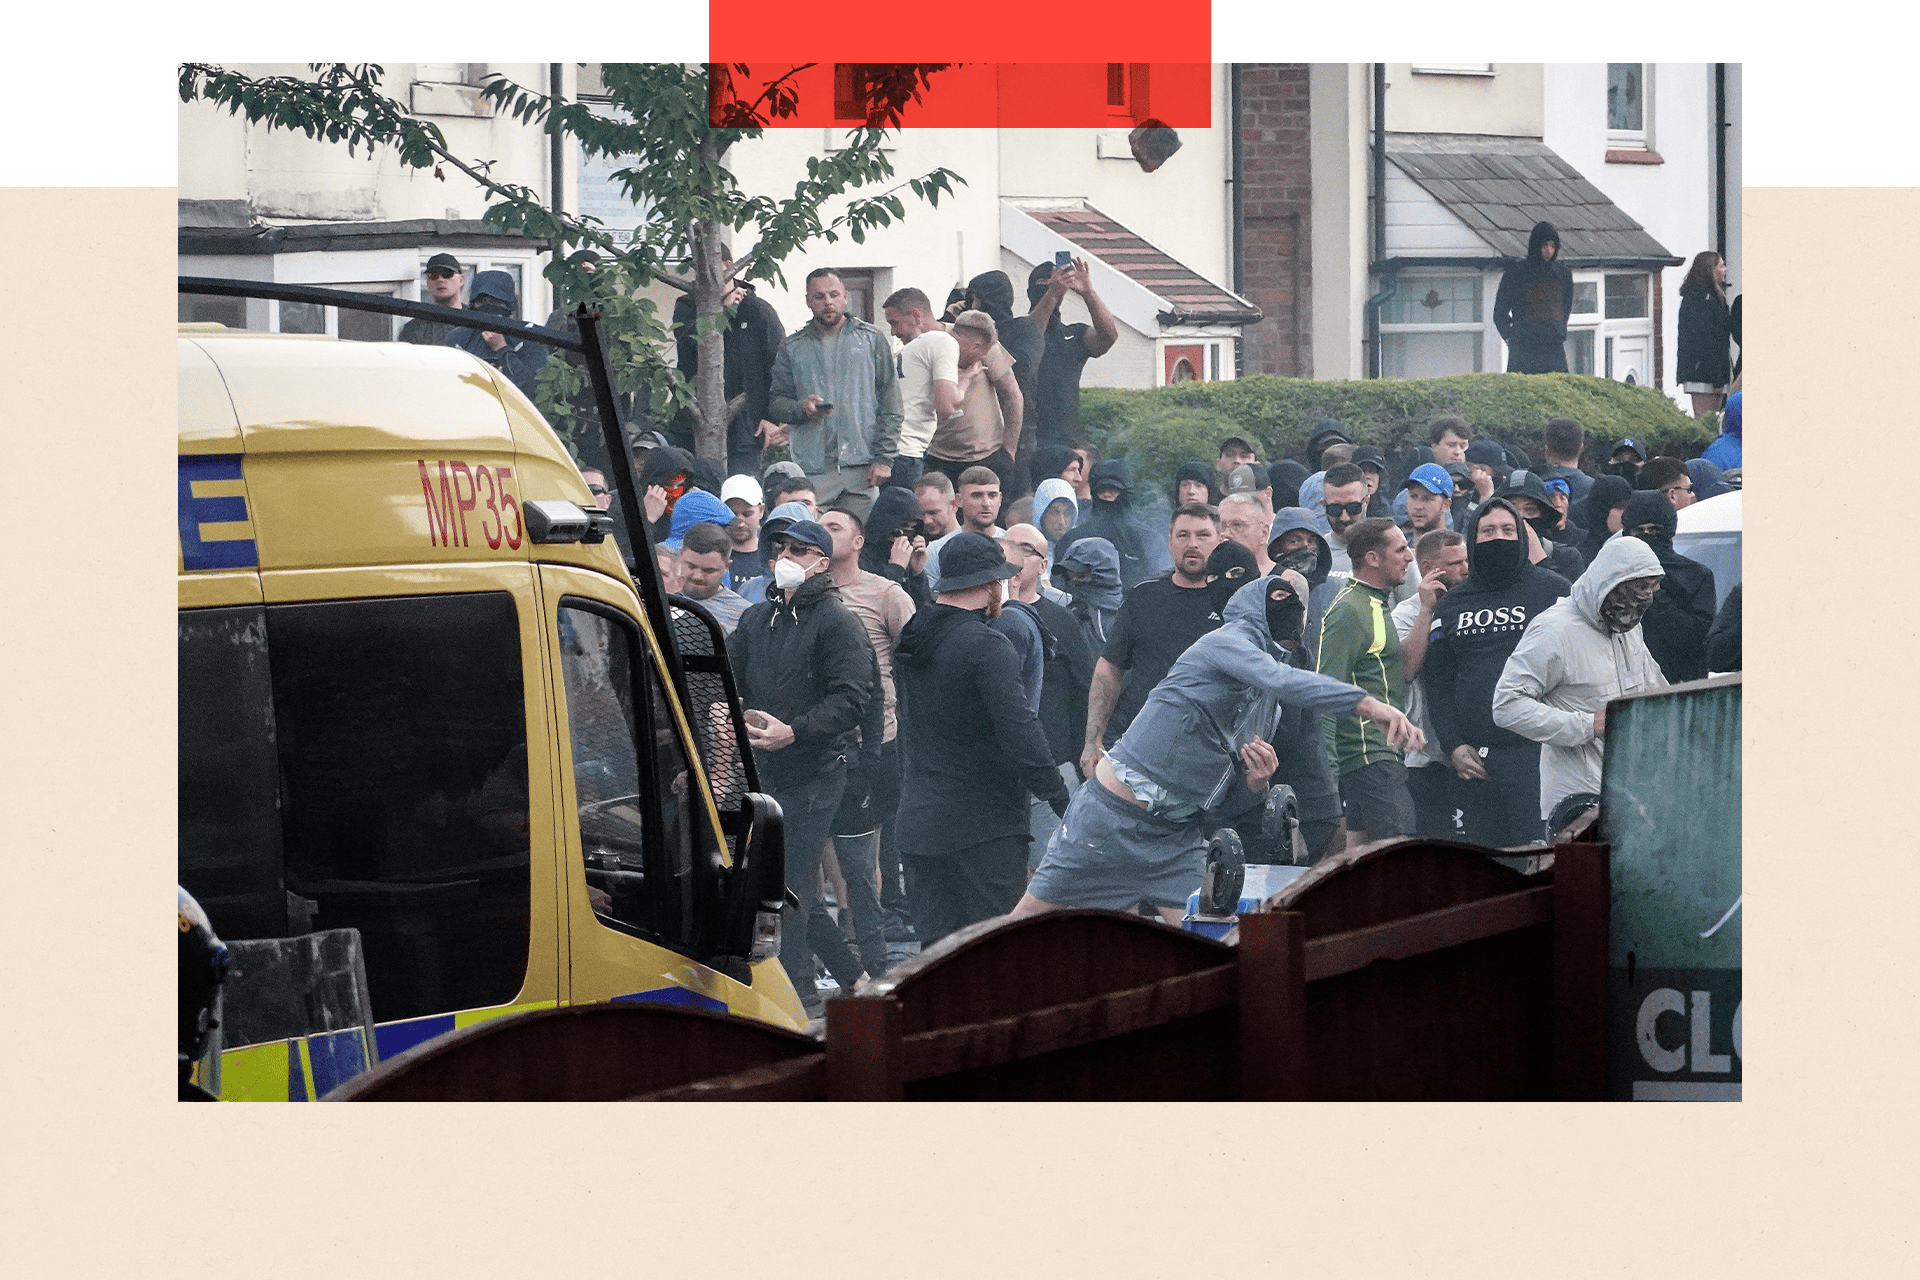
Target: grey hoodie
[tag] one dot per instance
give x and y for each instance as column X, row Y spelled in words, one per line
column 1227, row 687
column 1568, row 666
column 1096, row 600
column 1322, row 586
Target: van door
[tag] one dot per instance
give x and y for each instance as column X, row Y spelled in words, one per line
column 642, row 845
column 392, row 732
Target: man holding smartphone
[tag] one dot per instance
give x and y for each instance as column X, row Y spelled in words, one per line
column 1056, row 407
column 834, row 383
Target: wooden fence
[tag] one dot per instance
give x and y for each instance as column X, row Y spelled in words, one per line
column 1413, row 970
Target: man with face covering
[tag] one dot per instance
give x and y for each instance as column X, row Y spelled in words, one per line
column 992, row 292
column 1532, row 305
column 520, row 360
column 1089, row 573
column 1477, row 626
column 1573, row 659
column 1110, row 516
column 1677, row 624
column 809, row 680
column 1527, row 494
column 1301, row 762
column 1600, row 513
column 1136, row 830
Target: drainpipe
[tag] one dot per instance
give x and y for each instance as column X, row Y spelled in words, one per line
column 1239, row 204
column 1388, row 284
column 1720, row 127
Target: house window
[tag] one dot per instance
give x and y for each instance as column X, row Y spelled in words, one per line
column 1627, row 296
column 863, row 286
column 1126, row 92
column 1610, row 333
column 449, row 72
column 1434, row 325
column 1627, row 106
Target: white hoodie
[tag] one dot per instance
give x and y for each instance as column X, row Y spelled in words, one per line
column 1568, row 666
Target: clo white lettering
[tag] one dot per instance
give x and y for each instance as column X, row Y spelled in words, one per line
column 1700, row 1007
column 1503, row 616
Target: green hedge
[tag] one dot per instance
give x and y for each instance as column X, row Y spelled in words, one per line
column 1157, row 430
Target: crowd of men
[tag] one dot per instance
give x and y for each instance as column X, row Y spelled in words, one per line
column 983, row 674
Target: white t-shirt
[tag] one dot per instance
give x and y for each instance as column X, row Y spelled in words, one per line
column 932, row 356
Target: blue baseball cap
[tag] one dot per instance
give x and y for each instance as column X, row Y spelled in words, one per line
column 1432, row 477
column 809, row 532
column 1556, row 484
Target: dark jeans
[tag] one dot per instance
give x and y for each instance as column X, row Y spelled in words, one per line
column 857, row 856
column 856, row 848
column 953, row 890
column 1504, row 811
column 808, row 808
column 906, row 472
column 885, row 782
column 1431, row 787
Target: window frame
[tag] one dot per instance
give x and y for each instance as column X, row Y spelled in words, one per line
column 1640, row 139
column 1133, row 92
column 648, row 681
column 1483, row 326
column 1603, row 327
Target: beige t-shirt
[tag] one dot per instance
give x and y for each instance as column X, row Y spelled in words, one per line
column 979, row 429
column 932, row 356
column 883, row 607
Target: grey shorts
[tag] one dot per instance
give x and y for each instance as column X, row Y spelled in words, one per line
column 1109, row 854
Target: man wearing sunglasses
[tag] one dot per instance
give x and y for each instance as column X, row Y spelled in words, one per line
column 445, row 284
column 811, row 686
column 1344, row 493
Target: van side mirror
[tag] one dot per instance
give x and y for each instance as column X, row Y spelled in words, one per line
column 757, row 882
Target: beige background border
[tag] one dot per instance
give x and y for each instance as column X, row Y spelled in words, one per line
column 1809, row 1176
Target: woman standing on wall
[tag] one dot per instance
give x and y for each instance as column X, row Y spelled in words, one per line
column 1704, row 364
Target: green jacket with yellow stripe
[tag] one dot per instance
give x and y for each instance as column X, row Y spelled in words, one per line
column 1359, row 644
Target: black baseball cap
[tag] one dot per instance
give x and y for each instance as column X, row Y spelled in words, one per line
column 1326, row 431
column 970, row 559
column 1369, row 455
column 1525, row 484
column 444, row 262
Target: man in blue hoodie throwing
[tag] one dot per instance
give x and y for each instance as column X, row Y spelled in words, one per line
column 1136, row 830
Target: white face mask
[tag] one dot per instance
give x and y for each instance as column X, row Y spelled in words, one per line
column 787, row 575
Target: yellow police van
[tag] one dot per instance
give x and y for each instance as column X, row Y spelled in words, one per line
column 422, row 697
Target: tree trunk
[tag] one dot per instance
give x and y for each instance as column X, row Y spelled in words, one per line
column 710, row 383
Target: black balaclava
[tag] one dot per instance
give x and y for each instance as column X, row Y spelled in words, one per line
column 1547, row 525
column 1650, row 506
column 1229, row 568
column 1496, row 563
column 1287, row 615
column 1625, row 605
